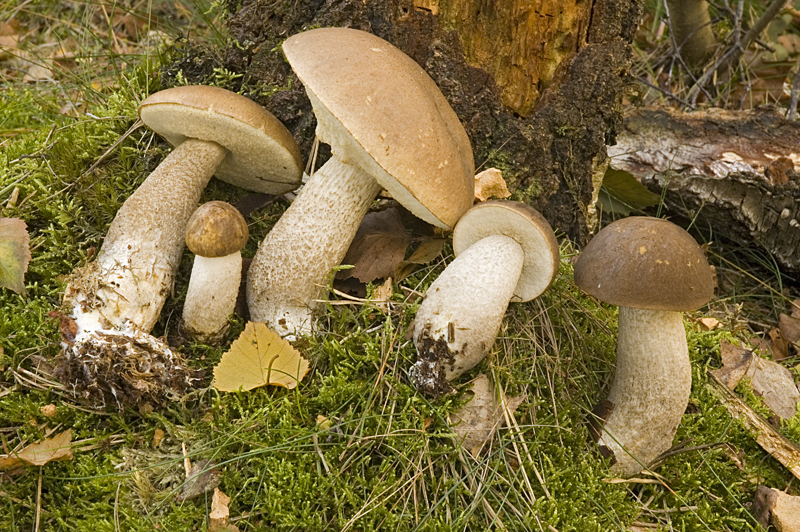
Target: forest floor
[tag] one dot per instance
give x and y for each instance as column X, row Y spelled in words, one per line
column 353, row 447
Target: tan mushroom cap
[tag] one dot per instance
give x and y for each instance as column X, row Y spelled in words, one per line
column 216, row 229
column 527, row 227
column 379, row 110
column 262, row 154
column 645, row 263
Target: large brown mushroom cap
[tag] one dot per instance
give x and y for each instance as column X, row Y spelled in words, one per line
column 216, row 229
column 645, row 263
column 527, row 227
column 378, row 109
column 262, row 154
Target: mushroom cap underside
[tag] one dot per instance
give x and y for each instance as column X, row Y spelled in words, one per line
column 262, row 154
column 216, row 229
column 378, row 109
column 527, row 227
column 645, row 263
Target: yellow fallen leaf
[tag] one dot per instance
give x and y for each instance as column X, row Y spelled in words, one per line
column 38, row 454
column 257, row 358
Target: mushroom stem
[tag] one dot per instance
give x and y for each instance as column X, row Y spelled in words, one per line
column 211, row 297
column 651, row 388
column 458, row 321
column 289, row 270
column 134, row 272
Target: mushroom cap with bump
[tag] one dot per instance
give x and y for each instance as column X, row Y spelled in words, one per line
column 216, row 229
column 379, row 110
column 262, row 154
column 645, row 263
column 528, row 228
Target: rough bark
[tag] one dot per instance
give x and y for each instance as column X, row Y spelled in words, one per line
column 732, row 173
column 538, row 85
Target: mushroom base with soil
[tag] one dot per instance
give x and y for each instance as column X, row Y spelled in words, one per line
column 456, row 325
column 653, row 380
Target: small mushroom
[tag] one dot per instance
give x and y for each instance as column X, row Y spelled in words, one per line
column 215, row 132
column 216, row 234
column 505, row 251
column 389, row 127
column 653, row 270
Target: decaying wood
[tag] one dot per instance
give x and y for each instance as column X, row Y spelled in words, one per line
column 537, row 84
column 777, row 445
column 733, row 173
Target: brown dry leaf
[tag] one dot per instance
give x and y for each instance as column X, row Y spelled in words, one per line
column 425, row 253
column 219, row 514
column 780, row 347
column 790, row 328
column 382, row 294
column 15, row 253
column 378, row 247
column 477, row 421
column 52, row 449
column 201, row 477
column 257, row 358
column 708, row 324
column 490, row 183
column 796, row 309
column 777, row 508
column 771, row 381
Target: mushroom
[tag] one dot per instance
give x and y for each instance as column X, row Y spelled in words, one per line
column 216, row 234
column 505, row 251
column 214, row 131
column 388, row 126
column 652, row 269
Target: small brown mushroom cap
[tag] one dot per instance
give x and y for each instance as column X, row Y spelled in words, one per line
column 527, row 227
column 262, row 154
column 645, row 263
column 216, row 229
column 379, row 110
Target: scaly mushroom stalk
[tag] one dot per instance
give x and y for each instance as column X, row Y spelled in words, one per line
column 463, row 309
column 134, row 271
column 308, row 240
column 650, row 391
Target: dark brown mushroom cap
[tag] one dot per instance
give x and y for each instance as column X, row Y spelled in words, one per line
column 216, row 229
column 262, row 154
column 645, row 263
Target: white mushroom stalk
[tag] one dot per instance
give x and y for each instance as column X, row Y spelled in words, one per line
column 650, row 391
column 216, row 234
column 653, row 270
column 506, row 252
column 388, row 127
column 215, row 132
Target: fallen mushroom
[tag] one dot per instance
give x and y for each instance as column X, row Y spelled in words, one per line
column 652, row 269
column 215, row 132
column 505, row 251
column 216, row 234
column 388, row 126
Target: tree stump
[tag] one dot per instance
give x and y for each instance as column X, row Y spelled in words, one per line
column 538, row 85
